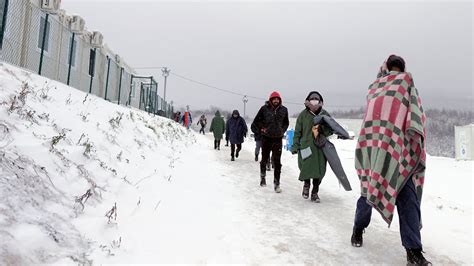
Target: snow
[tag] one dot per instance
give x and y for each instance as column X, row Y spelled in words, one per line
column 180, row 201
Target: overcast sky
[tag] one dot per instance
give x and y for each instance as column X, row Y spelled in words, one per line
column 254, row 47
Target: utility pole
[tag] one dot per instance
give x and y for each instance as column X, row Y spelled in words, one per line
column 245, row 100
column 166, row 73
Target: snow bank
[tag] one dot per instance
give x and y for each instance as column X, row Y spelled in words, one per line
column 65, row 159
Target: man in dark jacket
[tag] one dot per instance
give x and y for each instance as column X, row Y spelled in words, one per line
column 272, row 121
column 236, row 130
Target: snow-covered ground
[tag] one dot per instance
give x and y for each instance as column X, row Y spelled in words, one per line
column 178, row 200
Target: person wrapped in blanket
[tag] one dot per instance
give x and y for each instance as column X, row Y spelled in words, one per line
column 390, row 157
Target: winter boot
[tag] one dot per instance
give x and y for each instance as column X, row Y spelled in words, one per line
column 415, row 257
column 268, row 166
column 315, row 198
column 237, row 153
column 218, row 145
column 263, row 182
column 356, row 238
column 232, row 158
column 314, row 193
column 306, row 186
column 277, row 188
column 256, row 157
column 215, row 144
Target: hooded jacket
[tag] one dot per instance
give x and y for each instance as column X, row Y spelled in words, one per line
column 236, row 128
column 217, row 126
column 271, row 121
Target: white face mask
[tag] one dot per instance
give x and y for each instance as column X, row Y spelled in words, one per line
column 314, row 102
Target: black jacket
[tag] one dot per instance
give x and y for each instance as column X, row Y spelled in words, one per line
column 270, row 121
column 256, row 132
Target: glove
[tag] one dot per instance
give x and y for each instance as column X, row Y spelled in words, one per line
column 294, row 151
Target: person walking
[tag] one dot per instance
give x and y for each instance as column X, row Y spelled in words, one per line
column 218, row 129
column 307, row 143
column 203, row 122
column 272, row 122
column 390, row 157
column 236, row 131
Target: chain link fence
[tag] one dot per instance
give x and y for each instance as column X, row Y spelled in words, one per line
column 44, row 43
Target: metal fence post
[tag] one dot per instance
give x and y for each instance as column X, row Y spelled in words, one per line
column 4, row 21
column 120, row 85
column 107, row 78
column 92, row 70
column 70, row 58
column 156, row 99
column 130, row 92
column 140, row 98
column 43, row 42
column 149, row 94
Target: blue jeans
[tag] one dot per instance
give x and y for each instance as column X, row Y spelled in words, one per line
column 408, row 208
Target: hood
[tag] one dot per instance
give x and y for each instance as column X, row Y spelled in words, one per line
column 274, row 94
column 235, row 112
column 315, row 92
column 218, row 114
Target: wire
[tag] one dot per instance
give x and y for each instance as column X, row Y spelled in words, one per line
column 237, row 93
column 149, row 67
column 227, row 91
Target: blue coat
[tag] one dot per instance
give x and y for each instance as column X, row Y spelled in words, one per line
column 235, row 130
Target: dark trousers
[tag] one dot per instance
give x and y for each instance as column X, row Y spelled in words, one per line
column 273, row 145
column 316, row 183
column 217, row 144
column 258, row 146
column 408, row 208
column 232, row 148
column 202, row 130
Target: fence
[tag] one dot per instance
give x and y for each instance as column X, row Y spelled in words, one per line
column 44, row 43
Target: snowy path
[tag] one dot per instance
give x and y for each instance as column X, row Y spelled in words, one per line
column 223, row 216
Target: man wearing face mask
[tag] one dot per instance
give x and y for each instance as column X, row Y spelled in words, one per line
column 272, row 121
column 307, row 142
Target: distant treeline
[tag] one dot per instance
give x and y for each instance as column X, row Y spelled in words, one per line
column 440, row 127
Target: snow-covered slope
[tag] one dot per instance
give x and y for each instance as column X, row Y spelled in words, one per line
column 66, row 155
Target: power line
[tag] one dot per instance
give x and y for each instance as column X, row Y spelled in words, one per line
column 233, row 92
column 149, row 67
column 249, row 96
column 224, row 90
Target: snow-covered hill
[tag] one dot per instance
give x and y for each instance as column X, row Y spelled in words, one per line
column 66, row 159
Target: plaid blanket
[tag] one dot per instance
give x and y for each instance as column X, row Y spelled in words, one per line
column 391, row 144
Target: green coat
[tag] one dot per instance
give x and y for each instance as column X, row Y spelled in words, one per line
column 217, row 126
column 315, row 165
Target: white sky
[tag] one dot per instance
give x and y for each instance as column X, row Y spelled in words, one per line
column 294, row 47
